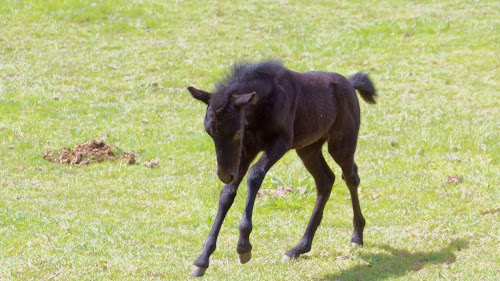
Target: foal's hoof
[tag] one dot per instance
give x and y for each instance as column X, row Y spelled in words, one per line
column 287, row 258
column 245, row 257
column 356, row 245
column 197, row 271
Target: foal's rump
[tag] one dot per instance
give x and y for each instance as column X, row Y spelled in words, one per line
column 326, row 103
column 343, row 135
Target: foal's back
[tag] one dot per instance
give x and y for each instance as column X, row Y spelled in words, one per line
column 320, row 98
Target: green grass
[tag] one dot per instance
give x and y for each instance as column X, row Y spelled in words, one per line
column 76, row 70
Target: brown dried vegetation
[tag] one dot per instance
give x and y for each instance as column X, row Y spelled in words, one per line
column 151, row 164
column 455, row 179
column 280, row 191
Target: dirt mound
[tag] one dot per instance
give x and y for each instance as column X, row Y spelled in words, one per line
column 88, row 152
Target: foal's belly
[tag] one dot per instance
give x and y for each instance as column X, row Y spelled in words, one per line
column 303, row 140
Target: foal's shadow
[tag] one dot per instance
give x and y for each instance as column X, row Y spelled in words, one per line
column 397, row 262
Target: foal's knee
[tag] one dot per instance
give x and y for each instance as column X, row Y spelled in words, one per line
column 227, row 195
column 255, row 177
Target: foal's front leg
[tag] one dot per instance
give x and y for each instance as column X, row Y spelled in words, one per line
column 254, row 180
column 226, row 199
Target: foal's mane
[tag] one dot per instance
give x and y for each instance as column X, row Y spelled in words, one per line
column 240, row 73
column 244, row 71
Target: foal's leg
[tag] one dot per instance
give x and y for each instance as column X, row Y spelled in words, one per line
column 254, row 180
column 324, row 178
column 226, row 199
column 345, row 158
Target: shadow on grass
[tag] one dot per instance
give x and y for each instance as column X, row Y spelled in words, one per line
column 397, row 262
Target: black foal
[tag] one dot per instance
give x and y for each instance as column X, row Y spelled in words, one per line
column 266, row 107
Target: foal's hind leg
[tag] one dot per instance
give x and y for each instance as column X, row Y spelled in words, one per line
column 324, row 178
column 343, row 154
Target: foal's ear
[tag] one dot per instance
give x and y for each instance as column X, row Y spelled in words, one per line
column 199, row 94
column 245, row 99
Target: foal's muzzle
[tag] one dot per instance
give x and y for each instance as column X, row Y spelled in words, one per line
column 225, row 177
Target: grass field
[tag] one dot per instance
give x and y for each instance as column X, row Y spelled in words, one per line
column 74, row 70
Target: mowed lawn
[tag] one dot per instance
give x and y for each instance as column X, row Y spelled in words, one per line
column 428, row 153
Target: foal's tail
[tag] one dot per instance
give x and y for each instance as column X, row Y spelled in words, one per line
column 361, row 82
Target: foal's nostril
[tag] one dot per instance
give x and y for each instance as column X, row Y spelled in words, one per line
column 231, row 178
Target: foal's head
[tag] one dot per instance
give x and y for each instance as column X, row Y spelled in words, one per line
column 224, row 121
